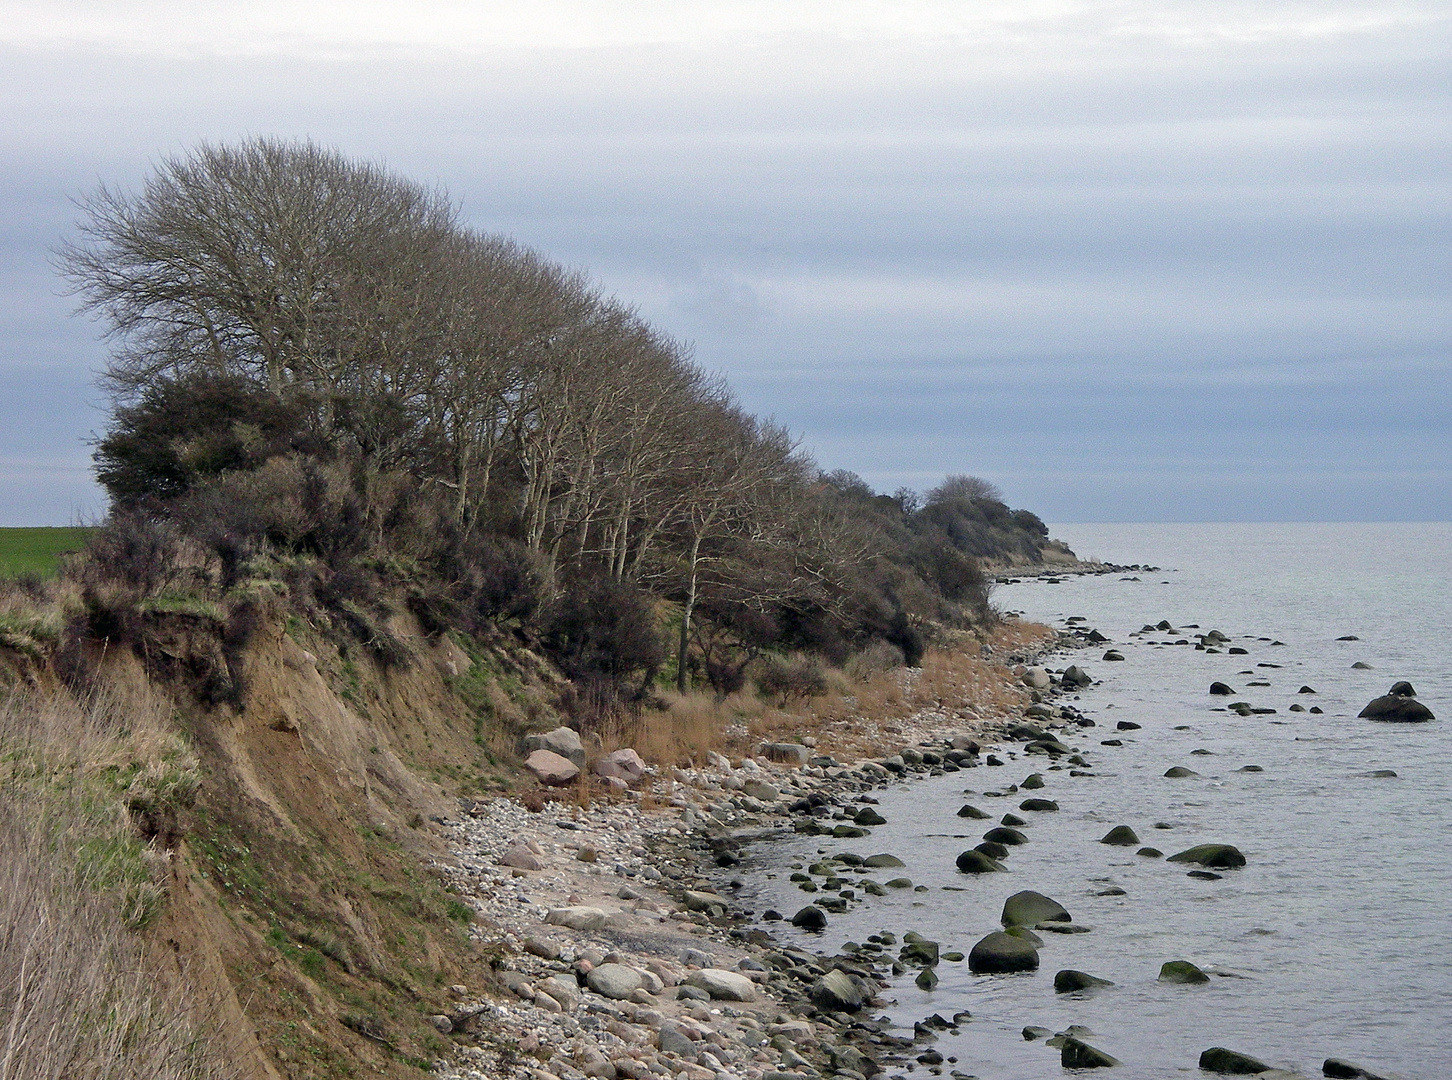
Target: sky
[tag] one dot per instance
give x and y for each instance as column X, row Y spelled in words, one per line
column 1142, row 260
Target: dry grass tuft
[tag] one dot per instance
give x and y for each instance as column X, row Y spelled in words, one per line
column 76, row 998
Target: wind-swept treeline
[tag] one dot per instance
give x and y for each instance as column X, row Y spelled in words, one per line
column 325, row 381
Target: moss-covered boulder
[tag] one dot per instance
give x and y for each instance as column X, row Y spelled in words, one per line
column 1120, row 836
column 1182, row 971
column 1069, row 980
column 976, row 862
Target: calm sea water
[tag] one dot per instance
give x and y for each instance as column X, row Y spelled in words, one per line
column 1335, row 940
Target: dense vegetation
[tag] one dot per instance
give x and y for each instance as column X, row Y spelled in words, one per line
column 328, row 388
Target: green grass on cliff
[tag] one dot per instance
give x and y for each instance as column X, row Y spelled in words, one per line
column 38, row 550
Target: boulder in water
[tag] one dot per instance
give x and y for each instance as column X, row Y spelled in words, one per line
column 1402, row 689
column 1077, row 1054
column 1113, row 655
column 1074, row 675
column 1220, row 689
column 1345, row 1070
column 1220, row 856
column 1033, row 781
column 837, row 991
column 1029, row 908
column 1069, row 980
column 976, row 862
column 1005, row 835
column 1179, row 772
column 884, row 860
column 810, row 917
column 1039, row 806
column 1361, row 665
column 1182, row 971
column 1120, row 836
column 1305, row 690
column 967, row 811
column 992, row 850
column 999, row 953
column 1396, row 709
column 1230, row 1062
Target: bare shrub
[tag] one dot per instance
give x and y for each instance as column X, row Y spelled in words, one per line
column 793, row 677
column 877, row 658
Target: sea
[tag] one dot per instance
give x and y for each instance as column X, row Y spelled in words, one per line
column 1335, row 940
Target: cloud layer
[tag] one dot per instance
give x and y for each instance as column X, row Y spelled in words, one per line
column 1129, row 260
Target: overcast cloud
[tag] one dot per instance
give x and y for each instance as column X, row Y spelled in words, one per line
column 1131, row 261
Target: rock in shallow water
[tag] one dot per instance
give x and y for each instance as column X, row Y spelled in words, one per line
column 1220, row 856
column 1230, row 1062
column 1120, row 836
column 1068, row 980
column 1182, row 971
column 1001, row 953
column 1029, row 908
column 1075, row 1054
column 1396, row 709
column 976, row 862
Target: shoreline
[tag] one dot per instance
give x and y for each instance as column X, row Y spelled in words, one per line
column 634, row 889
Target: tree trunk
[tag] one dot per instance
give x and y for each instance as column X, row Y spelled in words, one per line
column 686, row 610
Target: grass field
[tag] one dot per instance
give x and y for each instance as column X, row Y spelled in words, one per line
column 37, row 551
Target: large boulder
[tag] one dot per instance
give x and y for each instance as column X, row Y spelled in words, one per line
column 577, row 918
column 761, row 790
column 884, row 860
column 1041, row 806
column 1396, row 709
column 1074, row 1054
column 1346, row 1070
column 1074, row 675
column 1219, row 856
column 978, row 862
column 1069, row 980
column 550, row 768
column 615, row 981
column 1182, row 971
column 1230, row 1062
column 1006, row 835
column 723, row 985
column 562, row 741
column 1000, row 953
column 521, row 857
column 1402, row 689
column 1037, row 678
column 1029, row 908
column 837, row 991
column 1220, row 689
column 969, row 811
column 784, row 753
column 1120, row 836
column 622, row 764
column 810, row 917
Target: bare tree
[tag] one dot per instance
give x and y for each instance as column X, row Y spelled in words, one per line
column 963, row 486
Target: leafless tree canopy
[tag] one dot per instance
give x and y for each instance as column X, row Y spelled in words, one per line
column 283, row 315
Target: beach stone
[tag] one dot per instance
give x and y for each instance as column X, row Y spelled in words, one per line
column 1068, row 980
column 1000, row 953
column 565, row 991
column 1029, row 908
column 701, row 901
column 1040, row 806
column 810, row 917
column 1120, row 836
column 722, row 985
column 1396, row 709
column 1112, row 655
column 1012, row 820
column 562, row 741
column 1150, row 852
column 1181, row 971
column 977, row 862
column 614, row 981
column 673, row 1040
column 884, row 860
column 927, row 979
column 967, row 811
column 760, row 790
column 1027, row 732
column 1047, row 746
column 1230, row 1062
column 1074, row 675
column 521, row 858
column 1179, row 772
column 550, row 768
column 577, row 918
column 784, row 753
column 621, row 765
column 1076, row 1054
column 1036, row 678
column 1127, row 725
column 1220, row 689
column 924, row 953
column 1033, row 1032
column 991, row 849
column 836, row 991
column 1219, row 856
column 868, row 816
column 900, row 883
column 1033, row 781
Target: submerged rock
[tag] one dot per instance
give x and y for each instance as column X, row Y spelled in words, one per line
column 1076, row 1054
column 1005, row 835
column 1220, row 689
column 1000, row 953
column 1039, row 806
column 1345, row 1070
column 967, row 811
column 1120, row 836
column 1179, row 772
